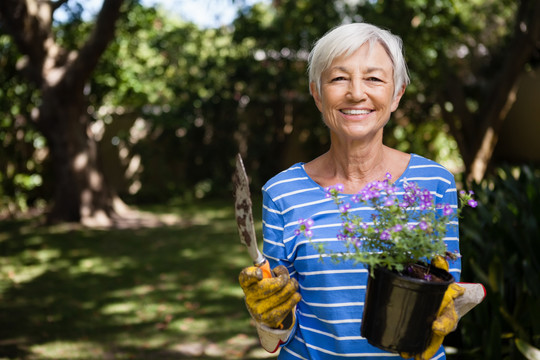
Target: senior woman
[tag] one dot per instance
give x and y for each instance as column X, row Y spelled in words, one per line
column 312, row 308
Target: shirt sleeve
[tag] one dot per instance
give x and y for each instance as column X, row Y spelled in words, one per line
column 274, row 248
column 451, row 238
column 275, row 252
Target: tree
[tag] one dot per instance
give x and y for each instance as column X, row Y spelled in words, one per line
column 477, row 128
column 204, row 94
column 81, row 192
column 465, row 58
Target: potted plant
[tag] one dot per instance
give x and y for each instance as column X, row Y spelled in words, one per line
column 398, row 245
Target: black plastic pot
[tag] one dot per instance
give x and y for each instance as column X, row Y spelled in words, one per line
column 399, row 310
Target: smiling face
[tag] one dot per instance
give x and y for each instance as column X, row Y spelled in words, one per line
column 356, row 94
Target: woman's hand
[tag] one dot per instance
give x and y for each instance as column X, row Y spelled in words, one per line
column 269, row 300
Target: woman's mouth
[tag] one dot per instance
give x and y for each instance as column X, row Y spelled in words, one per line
column 355, row 111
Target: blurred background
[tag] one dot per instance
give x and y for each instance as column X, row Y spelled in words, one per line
column 120, row 121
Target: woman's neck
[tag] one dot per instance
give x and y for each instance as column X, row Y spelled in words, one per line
column 356, row 166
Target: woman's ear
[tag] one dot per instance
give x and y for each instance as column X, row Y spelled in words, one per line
column 397, row 98
column 316, row 96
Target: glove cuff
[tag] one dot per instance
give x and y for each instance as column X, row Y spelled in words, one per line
column 474, row 294
column 271, row 339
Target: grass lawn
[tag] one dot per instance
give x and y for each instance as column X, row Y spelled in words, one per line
column 168, row 292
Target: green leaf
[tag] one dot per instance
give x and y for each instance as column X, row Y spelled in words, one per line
column 529, row 351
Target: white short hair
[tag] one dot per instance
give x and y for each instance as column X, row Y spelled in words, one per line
column 346, row 39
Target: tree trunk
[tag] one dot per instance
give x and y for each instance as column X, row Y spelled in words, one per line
column 500, row 101
column 477, row 133
column 81, row 193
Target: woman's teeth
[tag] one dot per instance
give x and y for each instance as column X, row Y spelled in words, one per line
column 355, row 112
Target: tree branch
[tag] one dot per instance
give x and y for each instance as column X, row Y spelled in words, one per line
column 97, row 42
column 499, row 101
column 56, row 4
column 29, row 33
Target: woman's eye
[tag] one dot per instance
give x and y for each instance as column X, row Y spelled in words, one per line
column 338, row 78
column 375, row 79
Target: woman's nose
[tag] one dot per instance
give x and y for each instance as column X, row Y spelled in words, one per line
column 356, row 89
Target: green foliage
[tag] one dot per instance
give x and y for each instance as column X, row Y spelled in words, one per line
column 22, row 148
column 501, row 249
column 278, row 122
column 443, row 40
column 201, row 95
column 132, row 72
column 177, row 81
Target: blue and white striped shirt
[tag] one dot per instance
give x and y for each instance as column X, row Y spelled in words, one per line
column 330, row 313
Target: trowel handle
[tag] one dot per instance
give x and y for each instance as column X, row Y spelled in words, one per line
column 265, row 268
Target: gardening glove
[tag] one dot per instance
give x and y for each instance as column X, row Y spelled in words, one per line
column 270, row 301
column 446, row 322
column 473, row 295
column 457, row 301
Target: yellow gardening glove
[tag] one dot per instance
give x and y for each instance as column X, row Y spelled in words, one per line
column 440, row 262
column 445, row 323
column 447, row 318
column 269, row 300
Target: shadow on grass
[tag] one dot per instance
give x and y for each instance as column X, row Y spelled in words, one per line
column 155, row 293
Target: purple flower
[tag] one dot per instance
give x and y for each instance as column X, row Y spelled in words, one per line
column 379, row 185
column 390, row 189
column 468, row 197
column 349, row 227
column 472, row 203
column 404, row 204
column 333, row 190
column 447, row 210
column 426, row 195
column 389, row 201
column 304, row 227
column 393, row 217
column 369, row 192
column 344, row 208
column 410, row 188
column 385, row 235
column 426, row 200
